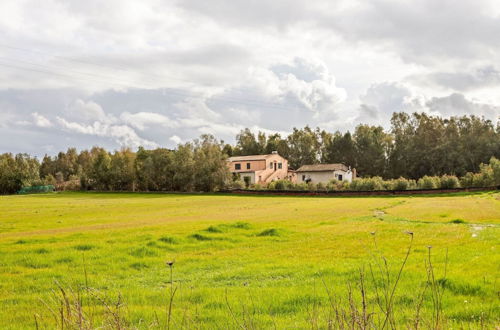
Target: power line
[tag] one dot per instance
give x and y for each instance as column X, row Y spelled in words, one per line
column 222, row 99
column 128, row 85
column 107, row 66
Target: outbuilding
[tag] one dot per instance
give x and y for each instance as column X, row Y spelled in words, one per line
column 324, row 173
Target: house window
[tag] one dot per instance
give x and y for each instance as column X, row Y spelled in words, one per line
column 280, row 165
column 248, row 166
column 340, row 177
column 237, row 166
column 270, row 166
column 303, row 178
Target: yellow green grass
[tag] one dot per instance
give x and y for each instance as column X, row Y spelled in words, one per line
column 263, row 260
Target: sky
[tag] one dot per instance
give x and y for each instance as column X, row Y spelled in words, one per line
column 124, row 73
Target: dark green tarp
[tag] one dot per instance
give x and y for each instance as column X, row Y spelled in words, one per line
column 37, row 189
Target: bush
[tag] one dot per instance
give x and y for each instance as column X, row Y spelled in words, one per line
column 282, row 185
column 271, row 185
column 495, row 167
column 400, row 184
column 238, row 184
column 428, row 182
column 483, row 179
column 449, row 182
column 311, row 186
column 301, row 186
column 321, row 187
column 467, row 180
column 488, row 176
column 257, row 186
column 367, row 184
column 332, row 185
column 336, row 185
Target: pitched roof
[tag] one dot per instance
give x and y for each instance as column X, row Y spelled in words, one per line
column 322, row 168
column 251, row 157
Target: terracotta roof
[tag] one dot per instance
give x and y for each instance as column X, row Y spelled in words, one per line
column 251, row 157
column 322, row 168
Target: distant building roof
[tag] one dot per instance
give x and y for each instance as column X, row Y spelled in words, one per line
column 251, row 157
column 323, row 168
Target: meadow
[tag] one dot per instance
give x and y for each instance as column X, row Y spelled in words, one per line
column 248, row 262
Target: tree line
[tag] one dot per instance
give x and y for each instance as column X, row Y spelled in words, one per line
column 415, row 146
column 195, row 166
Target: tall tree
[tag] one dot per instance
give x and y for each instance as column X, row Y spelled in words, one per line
column 209, row 163
column 247, row 144
column 304, row 147
column 339, row 148
column 372, row 145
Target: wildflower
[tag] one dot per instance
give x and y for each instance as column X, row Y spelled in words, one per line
column 170, row 263
column 409, row 233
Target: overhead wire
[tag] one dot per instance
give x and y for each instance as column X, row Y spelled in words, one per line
column 223, row 99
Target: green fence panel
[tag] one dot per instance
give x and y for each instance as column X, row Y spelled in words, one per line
column 37, row 189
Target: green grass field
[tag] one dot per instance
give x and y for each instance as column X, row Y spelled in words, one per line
column 245, row 261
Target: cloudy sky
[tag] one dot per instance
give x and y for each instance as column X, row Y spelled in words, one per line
column 122, row 73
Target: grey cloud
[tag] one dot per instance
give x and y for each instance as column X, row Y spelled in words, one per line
column 458, row 104
column 279, row 13
column 461, row 81
column 422, row 31
column 381, row 100
column 306, row 70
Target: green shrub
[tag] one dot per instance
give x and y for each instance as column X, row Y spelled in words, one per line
column 321, row 187
column 449, row 182
column 400, row 184
column 257, row 186
column 271, row 185
column 238, row 184
column 428, row 182
column 483, row 179
column 336, row 185
column 282, row 185
column 495, row 167
column 367, row 184
column 311, row 186
column 301, row 186
column 467, row 180
column 488, row 176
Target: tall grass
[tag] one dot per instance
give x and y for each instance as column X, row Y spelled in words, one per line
column 368, row 301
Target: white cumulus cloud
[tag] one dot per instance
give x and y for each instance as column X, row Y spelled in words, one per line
column 142, row 120
column 40, row 120
column 122, row 134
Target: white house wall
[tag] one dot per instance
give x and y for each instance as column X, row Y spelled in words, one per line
column 323, row 176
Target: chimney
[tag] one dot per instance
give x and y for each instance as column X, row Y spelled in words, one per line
column 274, row 152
